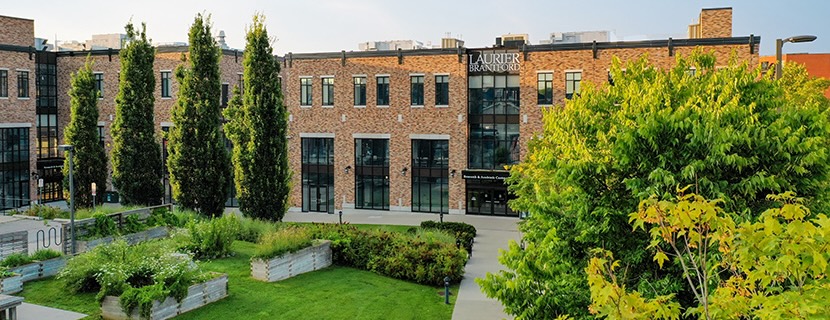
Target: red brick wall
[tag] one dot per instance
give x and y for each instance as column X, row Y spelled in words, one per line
column 17, row 31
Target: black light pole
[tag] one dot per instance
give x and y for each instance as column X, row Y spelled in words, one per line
column 779, row 43
column 70, row 149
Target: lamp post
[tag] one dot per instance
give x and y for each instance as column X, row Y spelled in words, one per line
column 94, row 189
column 70, row 149
column 780, row 43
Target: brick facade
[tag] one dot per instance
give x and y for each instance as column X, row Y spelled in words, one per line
column 17, row 31
column 716, row 23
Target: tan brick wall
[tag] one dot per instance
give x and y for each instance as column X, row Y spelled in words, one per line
column 372, row 119
column 68, row 65
column 716, row 23
column 17, row 31
column 20, row 110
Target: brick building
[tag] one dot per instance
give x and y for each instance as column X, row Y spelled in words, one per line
column 817, row 64
column 426, row 130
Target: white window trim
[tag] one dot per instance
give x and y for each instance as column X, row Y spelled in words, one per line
column 328, row 107
column 442, row 106
column 359, row 76
column 305, row 107
column 102, row 123
column 360, row 106
column 418, row 136
column 16, row 125
column 417, row 75
column 417, row 106
column 327, row 77
column 371, row 136
column 573, row 71
column 441, row 74
column 382, row 75
column 544, row 71
column 167, row 124
column 306, row 77
column 383, row 106
column 26, row 70
column 316, row 135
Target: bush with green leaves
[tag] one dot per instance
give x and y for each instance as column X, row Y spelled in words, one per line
column 464, row 233
column 42, row 211
column 104, row 226
column 282, row 241
column 138, row 274
column 211, row 238
column 251, row 230
column 19, row 259
column 45, row 254
column 426, row 259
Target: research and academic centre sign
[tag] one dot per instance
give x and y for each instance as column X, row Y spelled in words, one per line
column 493, row 62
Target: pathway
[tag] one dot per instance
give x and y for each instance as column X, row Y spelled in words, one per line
column 28, row 311
column 493, row 233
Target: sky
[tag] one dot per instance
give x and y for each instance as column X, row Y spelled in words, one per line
column 301, row 26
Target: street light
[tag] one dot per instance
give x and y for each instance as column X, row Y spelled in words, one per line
column 70, row 148
column 94, row 189
column 780, row 43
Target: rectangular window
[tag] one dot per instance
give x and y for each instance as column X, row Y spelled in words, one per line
column 22, row 84
column 101, row 137
column 99, row 84
column 360, row 91
column 240, row 81
column 4, row 83
column 430, row 176
column 442, row 90
column 416, row 90
column 47, row 133
column 305, row 91
column 14, row 187
column 544, row 85
column 572, row 80
column 383, row 90
column 165, row 84
column 328, row 91
column 318, row 174
column 371, row 174
column 225, row 94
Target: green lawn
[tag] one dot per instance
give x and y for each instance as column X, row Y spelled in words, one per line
column 332, row 293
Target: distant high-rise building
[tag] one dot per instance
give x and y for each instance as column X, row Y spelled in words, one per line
column 106, row 41
column 578, row 37
column 512, row 40
column 390, row 45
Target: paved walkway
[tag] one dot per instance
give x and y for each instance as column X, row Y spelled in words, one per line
column 493, row 234
column 28, row 311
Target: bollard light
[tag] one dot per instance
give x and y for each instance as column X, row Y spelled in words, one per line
column 447, row 290
column 340, row 213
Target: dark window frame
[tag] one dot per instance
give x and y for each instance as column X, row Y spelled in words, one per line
column 165, row 84
column 4, row 83
column 359, row 90
column 14, row 189
column 317, row 159
column 99, row 83
column 442, row 90
column 23, row 84
column 416, row 90
column 382, row 90
column 430, row 171
column 371, row 170
column 327, row 91
column 306, row 91
column 544, row 88
column 572, row 83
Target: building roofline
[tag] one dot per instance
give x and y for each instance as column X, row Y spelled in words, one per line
column 752, row 39
column 18, row 18
column 162, row 49
column 16, row 48
column 717, row 8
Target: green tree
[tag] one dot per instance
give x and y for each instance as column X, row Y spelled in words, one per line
column 728, row 132
column 774, row 268
column 136, row 154
column 198, row 162
column 258, row 128
column 82, row 132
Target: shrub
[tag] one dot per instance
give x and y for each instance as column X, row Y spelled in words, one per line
column 5, row 272
column 104, row 227
column 132, row 224
column 286, row 240
column 161, row 217
column 15, row 260
column 45, row 254
column 251, row 230
column 209, row 239
column 44, row 212
column 464, row 233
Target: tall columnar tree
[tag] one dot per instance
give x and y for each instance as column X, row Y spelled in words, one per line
column 136, row 154
column 198, row 162
column 90, row 163
column 729, row 133
column 258, row 128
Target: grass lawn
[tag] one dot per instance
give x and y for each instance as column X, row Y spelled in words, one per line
column 332, row 293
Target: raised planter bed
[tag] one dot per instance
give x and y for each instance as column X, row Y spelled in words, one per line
column 40, row 269
column 288, row 265
column 12, row 284
column 132, row 238
column 197, row 295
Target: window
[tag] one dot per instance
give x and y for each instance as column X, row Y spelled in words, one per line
column 101, row 137
column 328, row 91
column 383, row 90
column 240, row 81
column 22, row 84
column 544, row 85
column 430, row 176
column 360, row 91
column 99, row 84
column 493, row 121
column 4, row 83
column 371, row 173
column 14, row 187
column 572, row 80
column 305, row 91
column 47, row 134
column 318, row 174
column 442, row 90
column 165, row 84
column 416, row 90
column 225, row 94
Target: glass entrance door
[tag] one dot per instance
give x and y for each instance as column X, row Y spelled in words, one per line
column 488, row 198
column 318, row 174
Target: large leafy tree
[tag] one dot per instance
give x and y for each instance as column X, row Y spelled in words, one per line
column 258, row 127
column 198, row 162
column 90, row 162
column 136, row 154
column 730, row 133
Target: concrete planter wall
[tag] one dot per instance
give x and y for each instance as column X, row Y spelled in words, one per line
column 40, row 269
column 197, row 295
column 10, row 285
column 132, row 238
column 286, row 266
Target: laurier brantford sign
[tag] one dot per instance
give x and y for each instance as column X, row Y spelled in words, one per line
column 494, row 62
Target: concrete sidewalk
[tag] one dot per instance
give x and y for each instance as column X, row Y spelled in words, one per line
column 28, row 311
column 493, row 233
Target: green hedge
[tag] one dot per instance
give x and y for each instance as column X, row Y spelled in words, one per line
column 19, row 259
column 421, row 259
column 279, row 242
column 465, row 233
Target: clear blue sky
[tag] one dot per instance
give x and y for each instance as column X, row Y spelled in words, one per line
column 334, row 25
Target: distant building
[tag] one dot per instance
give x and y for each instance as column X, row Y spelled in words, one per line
column 71, row 45
column 170, row 44
column 512, row 40
column 817, row 64
column 578, row 37
column 106, row 41
column 42, row 45
column 391, row 45
column 712, row 23
column 449, row 43
column 220, row 40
